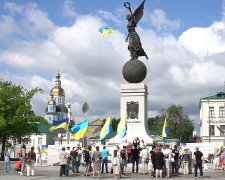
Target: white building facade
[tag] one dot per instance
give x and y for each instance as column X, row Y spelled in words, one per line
column 212, row 119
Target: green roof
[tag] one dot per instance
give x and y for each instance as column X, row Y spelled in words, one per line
column 220, row 95
column 42, row 128
column 153, row 132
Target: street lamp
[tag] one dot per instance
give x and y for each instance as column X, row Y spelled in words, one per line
column 209, row 124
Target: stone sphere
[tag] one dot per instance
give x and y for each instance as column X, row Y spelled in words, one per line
column 134, row 71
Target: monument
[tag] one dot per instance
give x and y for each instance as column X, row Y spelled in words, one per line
column 134, row 94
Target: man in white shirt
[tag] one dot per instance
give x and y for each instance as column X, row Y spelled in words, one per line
column 144, row 159
column 167, row 154
column 38, row 156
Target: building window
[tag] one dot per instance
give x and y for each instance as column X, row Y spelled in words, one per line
column 212, row 130
column 39, row 142
column 222, row 111
column 222, row 131
column 211, row 112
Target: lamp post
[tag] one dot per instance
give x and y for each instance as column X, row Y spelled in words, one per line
column 85, row 109
column 209, row 124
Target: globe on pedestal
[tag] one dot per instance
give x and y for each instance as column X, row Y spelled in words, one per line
column 134, row 71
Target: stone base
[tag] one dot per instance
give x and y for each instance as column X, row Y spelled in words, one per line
column 137, row 127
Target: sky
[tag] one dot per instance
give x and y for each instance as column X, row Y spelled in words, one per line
column 185, row 42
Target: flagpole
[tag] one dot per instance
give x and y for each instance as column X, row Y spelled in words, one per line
column 69, row 117
column 85, row 108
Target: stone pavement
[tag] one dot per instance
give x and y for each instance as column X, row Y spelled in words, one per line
column 52, row 173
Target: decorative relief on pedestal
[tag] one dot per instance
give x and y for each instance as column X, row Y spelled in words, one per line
column 132, row 110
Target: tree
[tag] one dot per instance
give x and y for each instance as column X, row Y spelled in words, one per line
column 17, row 119
column 180, row 125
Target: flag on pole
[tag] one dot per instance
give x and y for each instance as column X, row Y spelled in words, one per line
column 122, row 127
column 106, row 129
column 57, row 124
column 80, row 129
column 165, row 130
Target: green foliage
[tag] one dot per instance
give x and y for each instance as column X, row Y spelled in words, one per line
column 17, row 118
column 180, row 125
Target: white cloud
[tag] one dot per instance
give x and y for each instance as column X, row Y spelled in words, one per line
column 205, row 41
column 13, row 7
column 160, row 20
column 37, row 21
column 8, row 27
column 109, row 16
column 68, row 9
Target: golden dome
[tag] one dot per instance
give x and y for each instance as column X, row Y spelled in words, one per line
column 57, row 90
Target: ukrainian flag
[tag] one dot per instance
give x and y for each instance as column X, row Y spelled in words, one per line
column 59, row 124
column 122, row 127
column 80, row 129
column 105, row 30
column 165, row 130
column 106, row 129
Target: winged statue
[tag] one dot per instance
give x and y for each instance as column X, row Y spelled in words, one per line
column 134, row 42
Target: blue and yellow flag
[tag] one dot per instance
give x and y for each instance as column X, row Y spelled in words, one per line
column 165, row 130
column 80, row 129
column 106, row 129
column 105, row 30
column 57, row 124
column 122, row 127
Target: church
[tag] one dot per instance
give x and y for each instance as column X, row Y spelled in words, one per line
column 57, row 109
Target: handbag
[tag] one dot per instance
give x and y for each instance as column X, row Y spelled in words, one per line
column 111, row 171
column 93, row 157
column 146, row 161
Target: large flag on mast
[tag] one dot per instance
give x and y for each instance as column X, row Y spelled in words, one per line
column 57, row 124
column 80, row 129
column 165, row 131
column 106, row 129
column 122, row 127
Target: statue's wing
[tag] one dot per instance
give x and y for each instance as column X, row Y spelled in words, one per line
column 138, row 13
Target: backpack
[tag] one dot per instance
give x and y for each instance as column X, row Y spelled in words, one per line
column 20, row 153
column 87, row 156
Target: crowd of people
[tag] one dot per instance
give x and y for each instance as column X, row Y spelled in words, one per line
column 26, row 159
column 160, row 161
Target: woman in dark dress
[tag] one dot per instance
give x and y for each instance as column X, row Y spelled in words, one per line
column 159, row 162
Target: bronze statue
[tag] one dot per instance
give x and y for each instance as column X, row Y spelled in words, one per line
column 134, row 42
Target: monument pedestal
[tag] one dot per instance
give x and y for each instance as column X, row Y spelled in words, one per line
column 134, row 103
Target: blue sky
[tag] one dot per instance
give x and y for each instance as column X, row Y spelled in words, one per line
column 183, row 39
